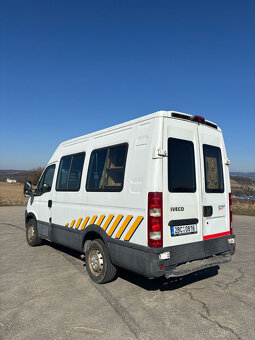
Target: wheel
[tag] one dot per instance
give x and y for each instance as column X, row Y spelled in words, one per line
column 98, row 264
column 32, row 234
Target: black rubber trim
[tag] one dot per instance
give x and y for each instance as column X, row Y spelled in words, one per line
column 58, row 226
column 193, row 119
column 183, row 222
column 181, row 116
column 107, row 239
column 211, row 125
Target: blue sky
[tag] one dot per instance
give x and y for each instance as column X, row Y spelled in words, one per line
column 68, row 68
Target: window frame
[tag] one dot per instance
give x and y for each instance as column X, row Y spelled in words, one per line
column 118, row 189
column 220, row 171
column 194, row 168
column 40, row 191
column 69, row 171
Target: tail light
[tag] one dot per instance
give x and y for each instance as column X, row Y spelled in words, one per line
column 155, row 226
column 230, row 213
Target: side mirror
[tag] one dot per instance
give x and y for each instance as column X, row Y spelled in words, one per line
column 28, row 189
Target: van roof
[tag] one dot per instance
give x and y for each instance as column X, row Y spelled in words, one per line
column 169, row 114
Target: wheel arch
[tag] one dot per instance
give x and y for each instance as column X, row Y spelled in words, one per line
column 28, row 216
column 93, row 232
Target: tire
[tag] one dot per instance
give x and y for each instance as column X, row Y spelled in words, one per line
column 98, row 264
column 32, row 234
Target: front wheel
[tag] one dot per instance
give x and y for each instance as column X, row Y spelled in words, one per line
column 32, row 234
column 98, row 264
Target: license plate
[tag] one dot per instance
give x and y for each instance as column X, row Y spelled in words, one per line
column 183, row 230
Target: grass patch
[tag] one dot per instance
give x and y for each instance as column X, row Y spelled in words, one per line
column 243, row 207
column 12, row 194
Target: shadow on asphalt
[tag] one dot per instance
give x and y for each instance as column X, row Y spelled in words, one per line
column 164, row 284
column 64, row 249
column 161, row 283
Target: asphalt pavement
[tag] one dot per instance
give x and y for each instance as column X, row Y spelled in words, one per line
column 46, row 293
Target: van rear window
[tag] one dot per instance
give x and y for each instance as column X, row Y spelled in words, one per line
column 213, row 169
column 181, row 166
column 107, row 168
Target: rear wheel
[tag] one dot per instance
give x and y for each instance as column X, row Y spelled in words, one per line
column 32, row 234
column 98, row 264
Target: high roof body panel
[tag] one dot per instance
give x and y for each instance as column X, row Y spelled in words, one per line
column 86, row 137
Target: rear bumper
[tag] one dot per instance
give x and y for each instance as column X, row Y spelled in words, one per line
column 184, row 259
column 191, row 267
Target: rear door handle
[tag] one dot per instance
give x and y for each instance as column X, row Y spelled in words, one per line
column 207, row 210
column 183, row 222
column 49, row 203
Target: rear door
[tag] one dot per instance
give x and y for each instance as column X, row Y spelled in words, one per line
column 215, row 189
column 182, row 191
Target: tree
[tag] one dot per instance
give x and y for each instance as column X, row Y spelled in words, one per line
column 34, row 175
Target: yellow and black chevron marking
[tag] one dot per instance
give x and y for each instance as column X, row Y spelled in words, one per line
column 110, row 225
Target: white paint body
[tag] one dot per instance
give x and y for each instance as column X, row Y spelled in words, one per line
column 146, row 171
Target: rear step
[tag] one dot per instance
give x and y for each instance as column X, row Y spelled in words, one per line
column 191, row 267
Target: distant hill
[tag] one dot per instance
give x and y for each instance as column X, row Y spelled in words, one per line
column 242, row 185
column 242, row 180
column 19, row 175
column 243, row 174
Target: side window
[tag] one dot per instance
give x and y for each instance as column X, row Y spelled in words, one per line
column 181, row 166
column 107, row 169
column 45, row 182
column 70, row 172
column 213, row 169
column 63, row 173
column 75, row 172
column 96, row 168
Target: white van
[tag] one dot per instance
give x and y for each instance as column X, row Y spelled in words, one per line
column 151, row 195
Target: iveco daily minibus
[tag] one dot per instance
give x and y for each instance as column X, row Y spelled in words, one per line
column 151, row 195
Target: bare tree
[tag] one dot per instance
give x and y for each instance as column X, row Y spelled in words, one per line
column 34, row 175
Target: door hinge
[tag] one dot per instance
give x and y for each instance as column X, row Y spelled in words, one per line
column 158, row 153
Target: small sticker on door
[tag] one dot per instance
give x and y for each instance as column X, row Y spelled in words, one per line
column 221, row 207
